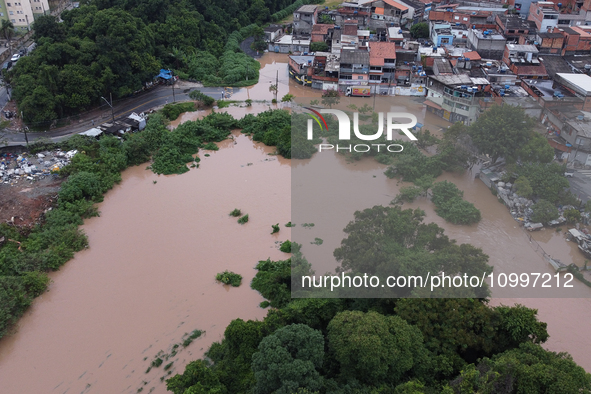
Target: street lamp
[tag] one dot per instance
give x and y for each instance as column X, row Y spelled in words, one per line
column 173, row 98
column 110, row 105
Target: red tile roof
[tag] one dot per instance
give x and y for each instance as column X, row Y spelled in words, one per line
column 350, row 30
column 472, row 55
column 378, row 51
column 394, row 4
column 321, row 28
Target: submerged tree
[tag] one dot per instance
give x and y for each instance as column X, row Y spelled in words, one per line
column 331, row 97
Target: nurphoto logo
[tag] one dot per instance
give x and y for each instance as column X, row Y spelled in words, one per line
column 345, row 130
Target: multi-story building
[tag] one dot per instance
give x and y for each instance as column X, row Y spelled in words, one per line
column 523, row 61
column 454, row 97
column 544, row 14
column 515, row 28
column 22, row 13
column 382, row 62
column 577, row 40
column 354, row 68
column 489, row 44
column 304, row 18
column 441, row 33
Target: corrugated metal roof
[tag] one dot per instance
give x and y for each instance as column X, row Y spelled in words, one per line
column 354, row 56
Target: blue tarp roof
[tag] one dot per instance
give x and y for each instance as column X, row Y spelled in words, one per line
column 165, row 74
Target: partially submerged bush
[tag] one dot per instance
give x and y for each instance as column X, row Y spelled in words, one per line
column 229, row 278
column 286, row 246
column 275, row 228
column 243, row 219
column 236, row 212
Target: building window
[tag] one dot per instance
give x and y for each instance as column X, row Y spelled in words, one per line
column 375, row 77
column 8, row 4
column 360, row 77
column 13, row 20
column 11, row 12
column 521, row 31
column 346, row 77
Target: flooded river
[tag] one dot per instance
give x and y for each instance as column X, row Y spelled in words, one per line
column 148, row 277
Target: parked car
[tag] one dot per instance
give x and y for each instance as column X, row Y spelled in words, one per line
column 15, row 57
column 569, row 173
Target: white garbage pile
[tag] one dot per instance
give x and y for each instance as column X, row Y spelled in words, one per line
column 31, row 167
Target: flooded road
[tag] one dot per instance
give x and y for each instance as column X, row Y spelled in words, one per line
column 149, row 276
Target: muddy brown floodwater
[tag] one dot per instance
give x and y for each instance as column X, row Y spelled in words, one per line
column 149, row 276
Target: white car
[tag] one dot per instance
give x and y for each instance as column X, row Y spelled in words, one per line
column 15, row 57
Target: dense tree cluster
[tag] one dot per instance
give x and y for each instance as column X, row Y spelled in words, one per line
column 337, row 345
column 116, row 46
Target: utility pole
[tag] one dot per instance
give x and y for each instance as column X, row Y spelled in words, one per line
column 110, row 105
column 173, row 97
column 276, row 85
column 25, row 129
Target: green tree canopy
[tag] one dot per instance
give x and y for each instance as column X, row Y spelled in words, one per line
column 319, row 46
column 331, row 97
column 371, row 347
column 544, row 211
column 420, row 30
column 523, row 187
column 387, row 241
column 289, row 359
column 502, row 131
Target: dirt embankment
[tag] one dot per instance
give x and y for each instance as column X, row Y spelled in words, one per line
column 25, row 203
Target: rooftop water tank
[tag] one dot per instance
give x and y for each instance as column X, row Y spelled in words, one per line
column 580, row 117
column 507, row 86
column 587, row 66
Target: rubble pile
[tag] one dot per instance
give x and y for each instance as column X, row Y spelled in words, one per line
column 15, row 168
column 521, row 208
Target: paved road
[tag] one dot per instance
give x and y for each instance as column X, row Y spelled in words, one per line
column 245, row 46
column 580, row 184
column 143, row 102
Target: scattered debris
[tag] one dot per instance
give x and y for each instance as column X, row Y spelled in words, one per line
column 15, row 168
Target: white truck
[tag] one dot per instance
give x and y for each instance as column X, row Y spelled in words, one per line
column 362, row 91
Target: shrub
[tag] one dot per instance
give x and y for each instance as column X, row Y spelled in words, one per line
column 194, row 335
column 243, row 219
column 286, row 246
column 572, row 215
column 275, row 228
column 172, row 111
column 236, row 212
column 450, row 205
column 205, row 99
column 229, row 278
column 408, row 194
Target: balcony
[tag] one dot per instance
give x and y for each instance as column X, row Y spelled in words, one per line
column 467, row 101
column 355, row 70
